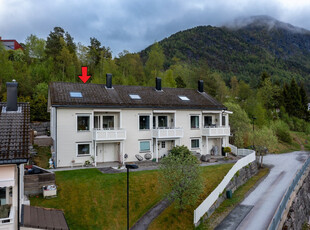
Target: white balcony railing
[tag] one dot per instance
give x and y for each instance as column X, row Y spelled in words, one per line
column 110, row 134
column 8, row 220
column 167, row 132
column 216, row 131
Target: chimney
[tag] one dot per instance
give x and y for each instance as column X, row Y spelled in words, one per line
column 11, row 96
column 200, row 86
column 158, row 84
column 109, row 80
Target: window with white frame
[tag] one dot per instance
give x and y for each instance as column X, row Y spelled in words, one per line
column 83, row 122
column 195, row 143
column 144, row 122
column 195, row 122
column 145, row 146
column 83, row 149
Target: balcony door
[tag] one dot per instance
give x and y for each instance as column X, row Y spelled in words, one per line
column 107, row 122
column 208, row 121
column 103, row 122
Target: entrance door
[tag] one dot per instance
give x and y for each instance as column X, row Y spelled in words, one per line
column 110, row 152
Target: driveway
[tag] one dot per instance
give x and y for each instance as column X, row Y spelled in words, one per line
column 263, row 201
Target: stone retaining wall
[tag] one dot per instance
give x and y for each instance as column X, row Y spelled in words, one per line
column 299, row 212
column 242, row 176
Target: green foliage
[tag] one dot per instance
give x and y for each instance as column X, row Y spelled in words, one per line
column 155, row 61
column 264, row 138
column 239, row 123
column 180, row 177
column 227, row 149
column 281, row 129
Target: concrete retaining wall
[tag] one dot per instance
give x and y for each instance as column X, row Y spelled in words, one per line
column 299, row 212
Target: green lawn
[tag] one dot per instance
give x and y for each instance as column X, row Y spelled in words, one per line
column 42, row 157
column 92, row 200
column 171, row 218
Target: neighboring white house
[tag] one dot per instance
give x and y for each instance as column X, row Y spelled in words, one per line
column 105, row 123
column 14, row 152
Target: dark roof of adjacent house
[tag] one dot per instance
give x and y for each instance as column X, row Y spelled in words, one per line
column 14, row 134
column 43, row 218
column 65, row 94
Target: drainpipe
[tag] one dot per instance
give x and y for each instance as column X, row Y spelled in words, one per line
column 18, row 195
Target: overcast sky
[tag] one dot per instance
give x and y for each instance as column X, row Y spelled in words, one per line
column 135, row 24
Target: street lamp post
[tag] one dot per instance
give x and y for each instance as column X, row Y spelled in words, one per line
column 129, row 166
column 254, row 118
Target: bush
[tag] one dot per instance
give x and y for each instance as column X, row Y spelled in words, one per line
column 227, row 149
column 282, row 131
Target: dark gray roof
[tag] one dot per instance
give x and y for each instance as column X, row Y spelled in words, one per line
column 97, row 95
column 43, row 218
column 14, row 134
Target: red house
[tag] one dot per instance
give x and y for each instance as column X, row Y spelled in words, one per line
column 11, row 44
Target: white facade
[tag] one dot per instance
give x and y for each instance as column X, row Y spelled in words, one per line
column 109, row 135
column 8, row 195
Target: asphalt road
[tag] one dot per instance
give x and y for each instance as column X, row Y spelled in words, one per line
column 265, row 198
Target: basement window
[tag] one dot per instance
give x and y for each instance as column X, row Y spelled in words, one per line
column 76, row 94
column 184, row 98
column 134, row 96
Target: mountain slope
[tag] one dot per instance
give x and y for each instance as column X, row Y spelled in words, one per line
column 245, row 48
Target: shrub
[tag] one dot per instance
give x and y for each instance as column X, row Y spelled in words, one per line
column 282, row 131
column 227, row 149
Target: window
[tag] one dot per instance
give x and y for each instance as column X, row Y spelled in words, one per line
column 195, row 143
column 82, row 122
column 195, row 122
column 83, row 149
column 223, row 121
column 154, row 122
column 144, row 122
column 134, row 96
column 162, row 121
column 3, row 196
column 107, row 122
column 163, row 144
column 76, row 94
column 144, row 146
column 184, row 98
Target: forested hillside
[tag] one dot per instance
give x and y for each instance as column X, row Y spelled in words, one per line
column 245, row 49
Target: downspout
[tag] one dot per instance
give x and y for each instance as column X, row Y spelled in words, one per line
column 18, row 195
column 56, row 136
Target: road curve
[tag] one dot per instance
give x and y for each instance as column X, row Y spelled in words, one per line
column 268, row 194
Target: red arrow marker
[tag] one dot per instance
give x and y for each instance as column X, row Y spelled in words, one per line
column 84, row 76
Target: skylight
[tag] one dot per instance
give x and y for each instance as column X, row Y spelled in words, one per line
column 76, row 94
column 134, row 96
column 184, row 98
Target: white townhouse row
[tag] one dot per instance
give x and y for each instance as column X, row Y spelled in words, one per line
column 117, row 123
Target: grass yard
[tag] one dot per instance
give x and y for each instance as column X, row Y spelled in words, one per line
column 42, row 157
column 298, row 139
column 171, row 218
column 229, row 204
column 92, row 200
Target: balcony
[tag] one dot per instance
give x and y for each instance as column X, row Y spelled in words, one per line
column 109, row 134
column 167, row 132
column 214, row 131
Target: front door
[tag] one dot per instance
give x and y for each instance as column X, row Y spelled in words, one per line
column 208, row 121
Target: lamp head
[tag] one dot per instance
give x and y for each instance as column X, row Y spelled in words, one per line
column 131, row 166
